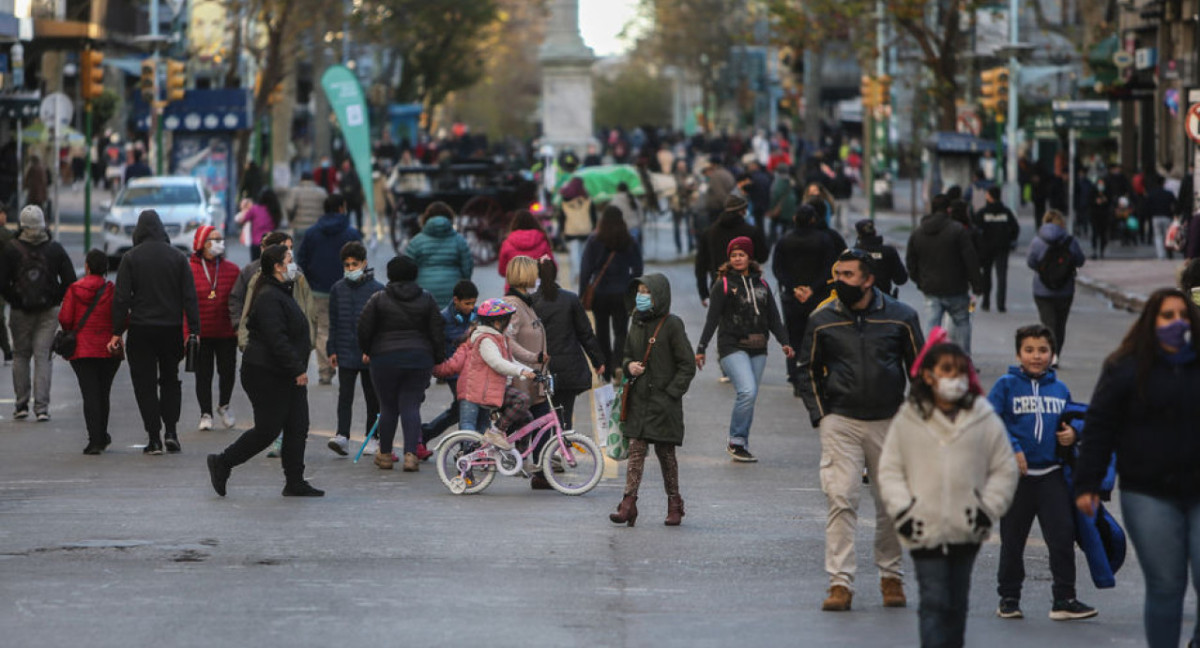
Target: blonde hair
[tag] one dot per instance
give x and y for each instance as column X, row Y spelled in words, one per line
column 1055, row 217
column 522, row 272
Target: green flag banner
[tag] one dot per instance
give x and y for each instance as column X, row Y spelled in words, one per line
column 345, row 95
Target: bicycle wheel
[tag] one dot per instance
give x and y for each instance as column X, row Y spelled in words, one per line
column 456, row 446
column 582, row 464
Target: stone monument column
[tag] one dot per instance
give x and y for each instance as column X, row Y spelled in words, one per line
column 566, row 81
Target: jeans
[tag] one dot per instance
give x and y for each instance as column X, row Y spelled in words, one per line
column 612, row 325
column 1166, row 535
column 575, row 253
column 681, row 224
column 345, row 406
column 1159, row 225
column 32, row 334
column 944, row 583
column 958, row 307
column 4, row 344
column 223, row 353
column 154, row 353
column 1053, row 312
column 280, row 406
column 472, row 416
column 95, row 385
column 1000, row 262
column 1047, row 498
column 745, row 371
column 401, row 392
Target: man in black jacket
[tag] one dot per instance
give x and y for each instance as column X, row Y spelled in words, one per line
column 710, row 249
column 854, row 362
column 943, row 263
column 802, row 265
column 35, row 272
column 154, row 291
column 999, row 230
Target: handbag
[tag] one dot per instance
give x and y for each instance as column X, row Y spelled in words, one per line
column 628, row 382
column 65, row 341
column 192, row 349
column 589, row 293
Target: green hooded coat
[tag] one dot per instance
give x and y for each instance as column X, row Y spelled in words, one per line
column 656, row 397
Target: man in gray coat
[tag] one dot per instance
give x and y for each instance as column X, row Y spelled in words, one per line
column 304, row 204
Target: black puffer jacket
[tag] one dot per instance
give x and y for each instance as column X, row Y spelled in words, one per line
column 889, row 269
column 942, row 259
column 279, row 338
column 569, row 336
column 805, row 257
column 710, row 250
column 402, row 318
column 155, row 286
column 742, row 305
column 856, row 363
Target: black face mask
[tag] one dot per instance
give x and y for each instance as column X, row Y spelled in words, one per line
column 849, row 295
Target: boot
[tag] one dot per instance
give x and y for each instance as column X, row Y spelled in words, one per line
column 626, row 511
column 674, row 510
column 893, row 592
column 384, row 461
column 838, row 600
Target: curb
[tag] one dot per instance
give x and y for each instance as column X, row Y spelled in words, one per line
column 1118, row 297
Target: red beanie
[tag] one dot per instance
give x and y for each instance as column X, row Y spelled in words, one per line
column 742, row 243
column 202, row 233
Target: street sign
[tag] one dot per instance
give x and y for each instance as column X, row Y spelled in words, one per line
column 56, row 105
column 1192, row 123
column 1122, row 59
column 1082, row 114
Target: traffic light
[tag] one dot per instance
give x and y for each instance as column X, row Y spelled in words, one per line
column 883, row 90
column 995, row 91
column 149, row 71
column 91, row 84
column 175, row 80
column 276, row 95
column 869, row 95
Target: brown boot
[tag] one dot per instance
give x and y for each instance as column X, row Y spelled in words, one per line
column 411, row 463
column 893, row 592
column 674, row 510
column 384, row 461
column 838, row 600
column 626, row 511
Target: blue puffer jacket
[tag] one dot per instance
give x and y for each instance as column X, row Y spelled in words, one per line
column 1047, row 236
column 320, row 253
column 346, row 302
column 456, row 327
column 443, row 258
column 1030, row 409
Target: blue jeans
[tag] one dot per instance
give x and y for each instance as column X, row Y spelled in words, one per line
column 745, row 372
column 944, row 582
column 1166, row 535
column 958, row 307
column 472, row 416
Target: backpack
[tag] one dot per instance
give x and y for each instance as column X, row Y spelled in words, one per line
column 1057, row 268
column 34, row 285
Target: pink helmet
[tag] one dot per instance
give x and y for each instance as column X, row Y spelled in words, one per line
column 495, row 307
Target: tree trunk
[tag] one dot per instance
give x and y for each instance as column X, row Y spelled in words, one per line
column 320, row 131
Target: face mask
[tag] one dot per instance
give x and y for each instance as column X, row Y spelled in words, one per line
column 354, row 275
column 1176, row 335
column 951, row 389
column 292, row 271
column 849, row 295
column 216, row 247
column 643, row 302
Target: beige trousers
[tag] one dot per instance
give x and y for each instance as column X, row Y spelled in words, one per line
column 325, row 371
column 846, row 446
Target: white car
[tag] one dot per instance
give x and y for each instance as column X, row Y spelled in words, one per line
column 182, row 204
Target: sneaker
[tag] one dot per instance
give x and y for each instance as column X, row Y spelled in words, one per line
column 1071, row 609
column 302, row 489
column 372, row 447
column 384, row 461
column 171, row 441
column 43, row 417
column 1010, row 608
column 93, row 449
column 723, row 379
column 740, row 453
column 423, row 453
column 21, row 414
column 494, row 437
column 227, row 417
column 218, row 473
column 339, row 444
column 205, row 422
column 153, row 447
column 276, row 448
column 411, row 463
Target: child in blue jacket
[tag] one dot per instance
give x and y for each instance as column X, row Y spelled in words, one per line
column 457, row 317
column 347, row 297
column 1030, row 400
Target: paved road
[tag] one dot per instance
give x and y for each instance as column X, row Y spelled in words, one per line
column 124, row 549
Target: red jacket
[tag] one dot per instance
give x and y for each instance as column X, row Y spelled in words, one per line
column 530, row 243
column 92, row 340
column 214, row 300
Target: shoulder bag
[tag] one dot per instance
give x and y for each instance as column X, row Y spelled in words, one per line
column 65, row 341
column 589, row 293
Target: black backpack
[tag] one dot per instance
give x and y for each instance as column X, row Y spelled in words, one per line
column 34, row 284
column 1057, row 268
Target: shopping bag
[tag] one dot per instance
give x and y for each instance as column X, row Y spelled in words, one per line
column 602, row 402
column 616, row 445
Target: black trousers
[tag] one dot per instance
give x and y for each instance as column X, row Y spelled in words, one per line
column 1047, row 498
column 95, row 377
column 998, row 261
column 221, row 352
column 345, row 407
column 154, row 353
column 1053, row 312
column 612, row 325
column 443, row 421
column 795, row 317
column 1100, row 228
column 401, row 392
column 280, row 405
column 565, row 400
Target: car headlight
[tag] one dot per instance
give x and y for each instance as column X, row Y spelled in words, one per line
column 112, row 228
column 191, row 225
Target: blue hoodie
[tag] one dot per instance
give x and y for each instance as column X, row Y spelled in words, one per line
column 1030, row 409
column 456, row 325
column 320, row 253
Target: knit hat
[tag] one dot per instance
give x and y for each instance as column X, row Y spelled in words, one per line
column 402, row 268
column 742, row 243
column 201, row 238
column 736, row 204
column 573, row 189
column 865, row 227
column 32, row 218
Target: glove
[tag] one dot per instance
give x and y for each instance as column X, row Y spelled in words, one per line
column 980, row 521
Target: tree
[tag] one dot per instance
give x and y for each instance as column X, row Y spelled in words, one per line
column 632, row 97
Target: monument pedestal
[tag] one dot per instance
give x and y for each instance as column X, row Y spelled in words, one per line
column 566, row 81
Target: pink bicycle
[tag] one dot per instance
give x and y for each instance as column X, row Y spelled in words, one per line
column 572, row 462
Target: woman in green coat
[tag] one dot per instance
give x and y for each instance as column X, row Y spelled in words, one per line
column 442, row 254
column 656, row 388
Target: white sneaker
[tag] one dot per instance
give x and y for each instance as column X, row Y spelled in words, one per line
column 724, row 379
column 227, row 416
column 205, row 422
column 372, row 447
column 340, row 445
column 494, row 437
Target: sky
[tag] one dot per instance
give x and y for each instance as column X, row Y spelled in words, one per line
column 600, row 21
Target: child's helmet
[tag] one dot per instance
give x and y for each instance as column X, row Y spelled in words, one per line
column 495, row 307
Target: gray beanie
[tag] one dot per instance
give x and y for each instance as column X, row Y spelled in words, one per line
column 33, row 218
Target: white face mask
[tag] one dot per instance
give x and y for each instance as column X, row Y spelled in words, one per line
column 293, row 271
column 217, row 248
column 951, row 389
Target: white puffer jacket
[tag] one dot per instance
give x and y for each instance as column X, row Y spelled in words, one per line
column 935, row 475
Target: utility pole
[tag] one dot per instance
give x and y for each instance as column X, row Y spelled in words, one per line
column 156, row 107
column 1013, row 193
